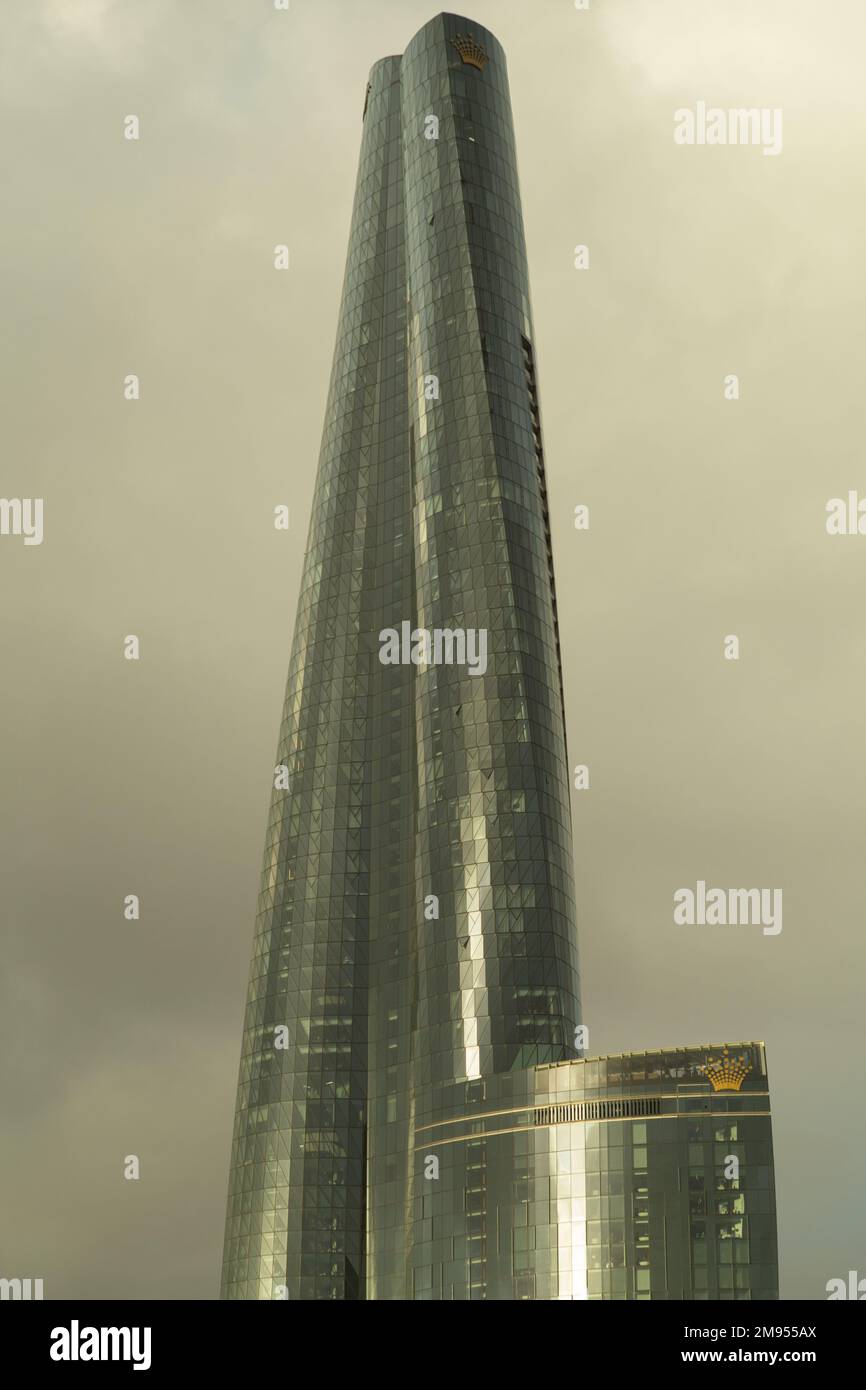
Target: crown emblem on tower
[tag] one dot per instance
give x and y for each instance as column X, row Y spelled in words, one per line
column 726, row 1073
column 470, row 50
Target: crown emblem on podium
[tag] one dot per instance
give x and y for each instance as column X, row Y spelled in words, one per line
column 470, row 50
column 726, row 1073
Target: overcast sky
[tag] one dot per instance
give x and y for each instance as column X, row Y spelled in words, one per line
column 707, row 518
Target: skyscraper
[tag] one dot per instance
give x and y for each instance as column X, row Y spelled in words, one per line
column 414, row 1117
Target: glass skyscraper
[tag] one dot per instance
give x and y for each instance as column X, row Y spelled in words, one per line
column 415, row 1117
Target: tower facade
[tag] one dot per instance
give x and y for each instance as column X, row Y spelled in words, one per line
column 416, row 939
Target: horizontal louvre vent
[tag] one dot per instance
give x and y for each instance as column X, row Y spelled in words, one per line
column 575, row 1111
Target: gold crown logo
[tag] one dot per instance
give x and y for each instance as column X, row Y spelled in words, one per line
column 470, row 50
column 726, row 1073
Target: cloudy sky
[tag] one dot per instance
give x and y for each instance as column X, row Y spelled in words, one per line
column 155, row 257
